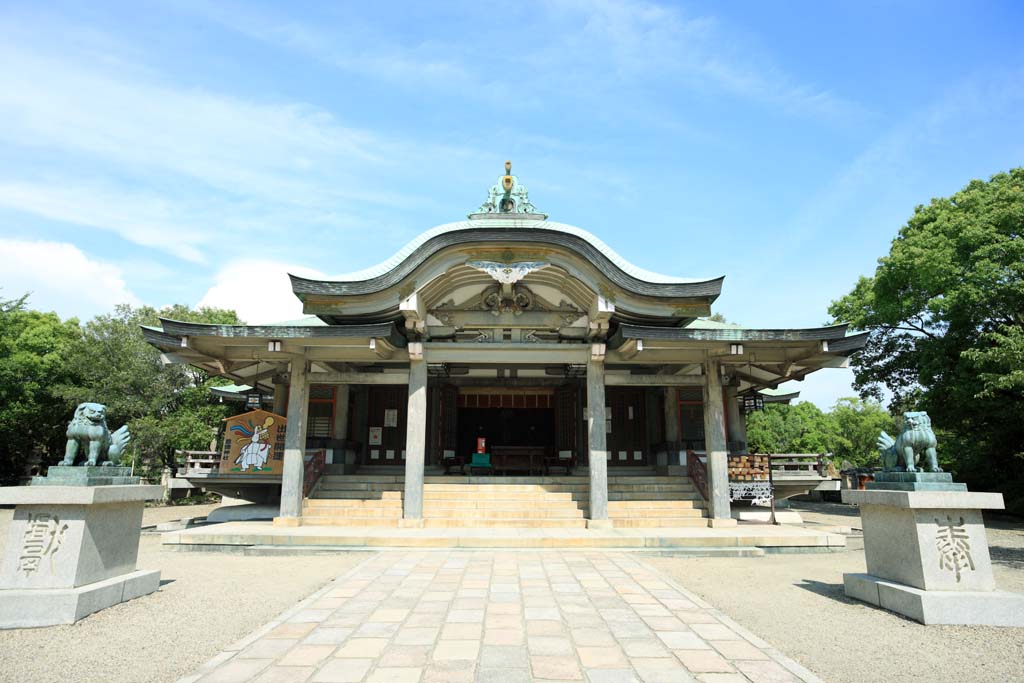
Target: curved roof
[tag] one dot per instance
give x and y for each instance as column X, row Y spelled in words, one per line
column 505, row 229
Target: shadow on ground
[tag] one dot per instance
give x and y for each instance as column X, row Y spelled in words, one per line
column 1011, row 558
column 828, row 590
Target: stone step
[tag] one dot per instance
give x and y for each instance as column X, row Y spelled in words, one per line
column 653, row 514
column 544, row 513
column 499, row 504
column 652, row 505
column 659, row 522
column 354, row 513
column 327, row 520
column 655, row 495
column 355, row 495
column 525, row 497
column 510, row 523
column 359, row 486
column 354, row 502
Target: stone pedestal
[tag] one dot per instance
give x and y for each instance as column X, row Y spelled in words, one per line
column 927, row 557
column 71, row 551
column 914, row 481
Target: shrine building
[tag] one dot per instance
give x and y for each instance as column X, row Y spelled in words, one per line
column 504, row 349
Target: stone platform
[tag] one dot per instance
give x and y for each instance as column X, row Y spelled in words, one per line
column 86, row 475
column 977, row 608
column 71, row 551
column 914, row 481
column 238, row 536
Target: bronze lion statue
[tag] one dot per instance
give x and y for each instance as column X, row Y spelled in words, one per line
column 88, row 431
column 902, row 453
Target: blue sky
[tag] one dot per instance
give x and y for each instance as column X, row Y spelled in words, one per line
column 193, row 152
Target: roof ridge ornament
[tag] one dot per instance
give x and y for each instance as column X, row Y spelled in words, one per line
column 508, row 197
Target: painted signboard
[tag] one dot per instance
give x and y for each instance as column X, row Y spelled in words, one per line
column 253, row 443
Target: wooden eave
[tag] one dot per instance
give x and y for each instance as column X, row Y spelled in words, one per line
column 706, row 289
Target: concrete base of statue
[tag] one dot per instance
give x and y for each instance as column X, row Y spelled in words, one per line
column 71, row 551
column 927, row 557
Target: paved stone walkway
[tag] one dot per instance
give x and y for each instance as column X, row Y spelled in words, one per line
column 508, row 617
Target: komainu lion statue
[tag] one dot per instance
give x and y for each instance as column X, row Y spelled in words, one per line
column 902, row 453
column 88, row 431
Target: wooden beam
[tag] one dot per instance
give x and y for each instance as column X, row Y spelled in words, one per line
column 506, row 353
column 614, row 380
column 359, row 377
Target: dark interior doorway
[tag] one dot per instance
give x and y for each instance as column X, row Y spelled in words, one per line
column 506, row 427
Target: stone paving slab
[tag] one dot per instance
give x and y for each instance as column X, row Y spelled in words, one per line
column 501, row 617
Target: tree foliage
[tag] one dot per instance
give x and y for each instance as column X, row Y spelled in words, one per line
column 799, row 428
column 945, row 311
column 48, row 366
column 34, row 351
column 848, row 431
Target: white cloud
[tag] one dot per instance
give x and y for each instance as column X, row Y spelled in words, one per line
column 61, row 278
column 582, row 47
column 258, row 290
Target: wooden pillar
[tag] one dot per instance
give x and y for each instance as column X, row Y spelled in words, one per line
column 340, row 427
column 715, row 443
column 415, row 442
column 280, row 397
column 673, row 432
column 295, row 445
column 671, row 414
column 597, row 439
column 737, row 422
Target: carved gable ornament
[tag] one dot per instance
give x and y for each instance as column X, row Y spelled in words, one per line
column 508, row 273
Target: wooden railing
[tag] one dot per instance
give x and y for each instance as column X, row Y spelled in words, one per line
column 314, row 466
column 698, row 473
column 799, row 463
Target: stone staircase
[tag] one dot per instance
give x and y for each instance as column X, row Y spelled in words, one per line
column 640, row 499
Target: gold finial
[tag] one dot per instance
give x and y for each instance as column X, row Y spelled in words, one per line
column 506, row 180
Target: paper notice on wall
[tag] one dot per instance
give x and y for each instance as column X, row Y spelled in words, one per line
column 622, row 455
column 629, row 412
column 389, row 454
column 376, row 436
column 638, row 455
column 391, row 417
column 374, row 454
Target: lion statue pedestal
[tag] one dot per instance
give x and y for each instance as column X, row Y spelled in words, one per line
column 924, row 540
column 74, row 540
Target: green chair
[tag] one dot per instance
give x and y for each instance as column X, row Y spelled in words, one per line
column 481, row 461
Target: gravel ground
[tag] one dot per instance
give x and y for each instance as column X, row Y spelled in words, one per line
column 796, row 603
column 205, row 603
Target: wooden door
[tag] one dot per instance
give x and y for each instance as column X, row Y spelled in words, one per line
column 567, row 423
column 387, row 424
column 626, row 418
column 445, row 423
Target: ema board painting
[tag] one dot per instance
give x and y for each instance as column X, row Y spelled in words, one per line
column 253, row 443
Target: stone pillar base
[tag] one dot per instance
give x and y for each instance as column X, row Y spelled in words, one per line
column 716, row 523
column 978, row 608
column 36, row 607
column 600, row 524
column 287, row 521
column 410, row 523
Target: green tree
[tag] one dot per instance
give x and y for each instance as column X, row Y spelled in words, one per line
column 859, row 423
column 34, row 355
column 166, row 407
column 799, row 428
column 945, row 311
